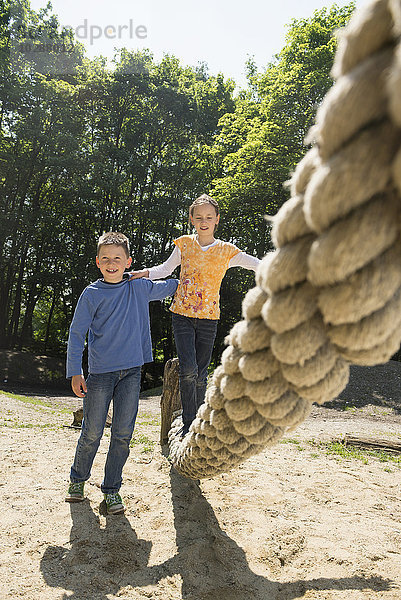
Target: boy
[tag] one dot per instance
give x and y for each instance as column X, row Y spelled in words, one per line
column 115, row 312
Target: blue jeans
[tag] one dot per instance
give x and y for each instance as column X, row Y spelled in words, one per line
column 194, row 339
column 123, row 387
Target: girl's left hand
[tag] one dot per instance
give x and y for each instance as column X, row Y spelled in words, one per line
column 138, row 274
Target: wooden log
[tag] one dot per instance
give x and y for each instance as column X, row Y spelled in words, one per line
column 79, row 415
column 372, row 443
column 170, row 400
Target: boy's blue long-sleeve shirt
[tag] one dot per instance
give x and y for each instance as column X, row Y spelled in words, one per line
column 117, row 319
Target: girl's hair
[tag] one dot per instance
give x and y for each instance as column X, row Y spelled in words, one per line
column 204, row 199
column 116, row 238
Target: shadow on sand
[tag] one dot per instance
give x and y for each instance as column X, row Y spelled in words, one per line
column 104, row 560
column 376, row 386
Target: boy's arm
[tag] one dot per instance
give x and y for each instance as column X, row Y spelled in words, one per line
column 158, row 290
column 244, row 260
column 163, row 270
column 76, row 341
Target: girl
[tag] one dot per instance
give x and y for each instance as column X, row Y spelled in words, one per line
column 204, row 261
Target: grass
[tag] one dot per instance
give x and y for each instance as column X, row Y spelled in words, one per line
column 296, row 443
column 363, row 454
column 15, row 424
column 145, row 419
column 147, row 444
column 149, row 420
column 339, row 450
column 343, row 452
column 34, row 401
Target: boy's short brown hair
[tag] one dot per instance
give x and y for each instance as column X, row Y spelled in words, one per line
column 116, row 238
column 204, row 199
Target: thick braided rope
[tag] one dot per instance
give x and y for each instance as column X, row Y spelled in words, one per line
column 330, row 294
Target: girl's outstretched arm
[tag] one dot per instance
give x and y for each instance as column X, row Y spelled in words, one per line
column 160, row 271
column 244, row 260
column 139, row 274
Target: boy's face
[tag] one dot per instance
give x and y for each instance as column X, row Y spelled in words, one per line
column 204, row 219
column 112, row 262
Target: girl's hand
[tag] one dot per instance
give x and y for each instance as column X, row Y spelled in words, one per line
column 78, row 385
column 138, row 274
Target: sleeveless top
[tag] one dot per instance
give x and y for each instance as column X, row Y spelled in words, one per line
column 201, row 275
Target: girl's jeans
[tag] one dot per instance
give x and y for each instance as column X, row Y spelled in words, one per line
column 194, row 339
column 123, row 387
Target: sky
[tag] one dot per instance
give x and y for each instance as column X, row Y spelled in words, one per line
column 221, row 33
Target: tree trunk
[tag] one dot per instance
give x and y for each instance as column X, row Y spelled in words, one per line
column 26, row 334
column 16, row 314
column 49, row 320
column 170, row 400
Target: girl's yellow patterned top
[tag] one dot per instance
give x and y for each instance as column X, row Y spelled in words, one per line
column 201, row 275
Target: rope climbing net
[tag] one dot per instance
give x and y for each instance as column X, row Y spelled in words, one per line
column 330, row 294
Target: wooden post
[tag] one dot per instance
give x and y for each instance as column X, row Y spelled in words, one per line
column 170, row 400
column 79, row 415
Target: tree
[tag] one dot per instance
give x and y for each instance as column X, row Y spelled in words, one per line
column 261, row 142
column 92, row 149
column 88, row 151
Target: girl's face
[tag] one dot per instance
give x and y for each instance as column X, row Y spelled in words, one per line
column 204, row 219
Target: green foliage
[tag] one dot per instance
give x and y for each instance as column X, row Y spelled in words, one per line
column 99, row 149
column 342, row 451
column 33, row 401
column 129, row 148
column 263, row 140
column 147, row 445
column 260, row 143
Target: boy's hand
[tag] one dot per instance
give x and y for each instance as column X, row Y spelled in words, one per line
column 78, row 385
column 138, row 274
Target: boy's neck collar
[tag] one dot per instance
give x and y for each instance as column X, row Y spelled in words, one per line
column 124, row 278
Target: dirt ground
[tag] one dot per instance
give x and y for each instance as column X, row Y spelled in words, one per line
column 296, row 521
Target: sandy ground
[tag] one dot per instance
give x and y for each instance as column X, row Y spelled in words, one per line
column 293, row 522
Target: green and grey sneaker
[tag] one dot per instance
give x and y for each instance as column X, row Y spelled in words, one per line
column 75, row 492
column 114, row 504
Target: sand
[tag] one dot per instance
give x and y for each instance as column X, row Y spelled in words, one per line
column 292, row 522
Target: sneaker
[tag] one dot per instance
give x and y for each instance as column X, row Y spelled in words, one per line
column 75, row 492
column 114, row 504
